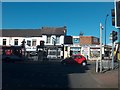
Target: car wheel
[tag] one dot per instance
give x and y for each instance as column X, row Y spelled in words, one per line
column 84, row 63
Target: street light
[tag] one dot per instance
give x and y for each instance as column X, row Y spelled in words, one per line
column 105, row 27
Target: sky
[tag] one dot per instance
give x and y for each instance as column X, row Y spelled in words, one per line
column 76, row 16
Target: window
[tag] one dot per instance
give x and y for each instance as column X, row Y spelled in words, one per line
column 95, row 40
column 15, row 41
column 28, row 42
column 57, row 40
column 4, row 41
column 53, row 40
column 76, row 40
column 52, row 52
column 48, row 39
column 74, row 57
column 66, row 48
column 79, row 57
column 34, row 42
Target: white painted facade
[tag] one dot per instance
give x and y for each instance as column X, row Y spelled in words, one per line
column 33, row 41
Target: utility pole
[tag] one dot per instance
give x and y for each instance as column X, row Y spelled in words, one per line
column 118, row 35
column 105, row 27
column 101, row 28
column 114, row 38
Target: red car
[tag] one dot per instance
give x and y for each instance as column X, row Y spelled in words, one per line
column 12, row 53
column 75, row 59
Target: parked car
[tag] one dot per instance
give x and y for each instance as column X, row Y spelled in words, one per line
column 33, row 53
column 12, row 53
column 75, row 59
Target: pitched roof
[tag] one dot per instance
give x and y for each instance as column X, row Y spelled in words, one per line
column 52, row 31
column 20, row 32
column 33, row 32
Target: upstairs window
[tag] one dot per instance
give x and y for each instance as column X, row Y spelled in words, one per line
column 57, row 40
column 34, row 42
column 15, row 41
column 28, row 42
column 4, row 41
column 48, row 39
column 76, row 40
column 95, row 40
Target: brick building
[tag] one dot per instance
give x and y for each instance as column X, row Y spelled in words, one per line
column 89, row 40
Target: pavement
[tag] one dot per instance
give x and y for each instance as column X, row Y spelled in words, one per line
column 107, row 79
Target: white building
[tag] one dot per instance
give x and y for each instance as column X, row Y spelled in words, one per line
column 32, row 37
column 72, row 46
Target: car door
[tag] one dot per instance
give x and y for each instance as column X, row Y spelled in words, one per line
column 69, row 60
column 75, row 58
column 78, row 59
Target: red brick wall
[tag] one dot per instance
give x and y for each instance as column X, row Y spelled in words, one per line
column 84, row 40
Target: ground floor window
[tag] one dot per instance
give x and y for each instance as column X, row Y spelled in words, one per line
column 54, row 53
column 75, row 50
column 94, row 54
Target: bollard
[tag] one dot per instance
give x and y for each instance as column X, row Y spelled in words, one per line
column 97, row 65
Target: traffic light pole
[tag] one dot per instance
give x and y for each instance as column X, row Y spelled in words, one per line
column 118, row 35
column 114, row 38
column 112, row 55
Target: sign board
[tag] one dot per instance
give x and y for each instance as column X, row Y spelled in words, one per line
column 117, row 13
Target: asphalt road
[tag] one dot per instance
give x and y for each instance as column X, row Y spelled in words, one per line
column 46, row 75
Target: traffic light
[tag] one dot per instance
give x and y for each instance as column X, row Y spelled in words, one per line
column 114, row 36
column 42, row 44
column 117, row 12
column 113, row 16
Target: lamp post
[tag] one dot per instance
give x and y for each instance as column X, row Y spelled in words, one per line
column 105, row 27
column 105, row 35
column 101, row 28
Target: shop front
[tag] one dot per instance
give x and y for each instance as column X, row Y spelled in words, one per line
column 75, row 50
